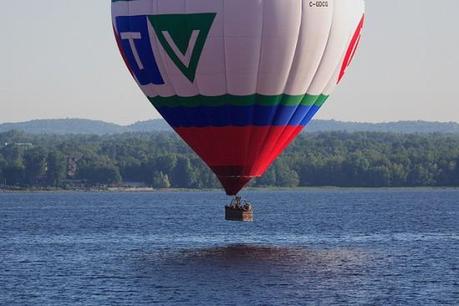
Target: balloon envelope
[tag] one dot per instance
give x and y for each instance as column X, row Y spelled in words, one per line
column 237, row 79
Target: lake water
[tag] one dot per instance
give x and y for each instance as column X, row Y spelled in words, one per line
column 312, row 246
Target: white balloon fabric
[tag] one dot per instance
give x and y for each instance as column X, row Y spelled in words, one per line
column 238, row 79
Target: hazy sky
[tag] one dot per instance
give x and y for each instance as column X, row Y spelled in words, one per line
column 58, row 59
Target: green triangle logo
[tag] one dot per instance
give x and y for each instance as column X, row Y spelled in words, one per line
column 183, row 37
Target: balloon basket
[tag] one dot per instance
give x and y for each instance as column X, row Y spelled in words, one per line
column 238, row 211
column 232, row 214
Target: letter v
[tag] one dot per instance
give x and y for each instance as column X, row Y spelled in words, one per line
column 184, row 58
column 183, row 37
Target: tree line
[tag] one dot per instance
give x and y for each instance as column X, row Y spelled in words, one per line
column 162, row 160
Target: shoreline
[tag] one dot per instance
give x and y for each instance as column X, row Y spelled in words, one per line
column 251, row 189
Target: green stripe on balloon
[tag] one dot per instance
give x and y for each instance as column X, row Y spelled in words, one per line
column 321, row 100
column 198, row 101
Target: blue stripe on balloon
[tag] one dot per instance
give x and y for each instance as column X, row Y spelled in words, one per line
column 310, row 115
column 258, row 115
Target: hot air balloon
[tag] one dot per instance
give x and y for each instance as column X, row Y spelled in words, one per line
column 237, row 79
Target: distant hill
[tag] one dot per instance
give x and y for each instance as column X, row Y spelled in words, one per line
column 84, row 126
column 406, row 127
column 63, row 126
column 148, row 126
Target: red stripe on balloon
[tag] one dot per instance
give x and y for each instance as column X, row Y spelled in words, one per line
column 285, row 140
column 356, row 47
column 237, row 154
column 352, row 48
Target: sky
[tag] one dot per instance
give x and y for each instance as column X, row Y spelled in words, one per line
column 58, row 59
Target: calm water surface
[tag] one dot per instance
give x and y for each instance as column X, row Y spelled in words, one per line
column 323, row 247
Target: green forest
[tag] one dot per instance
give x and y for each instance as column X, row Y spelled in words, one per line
column 162, row 160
